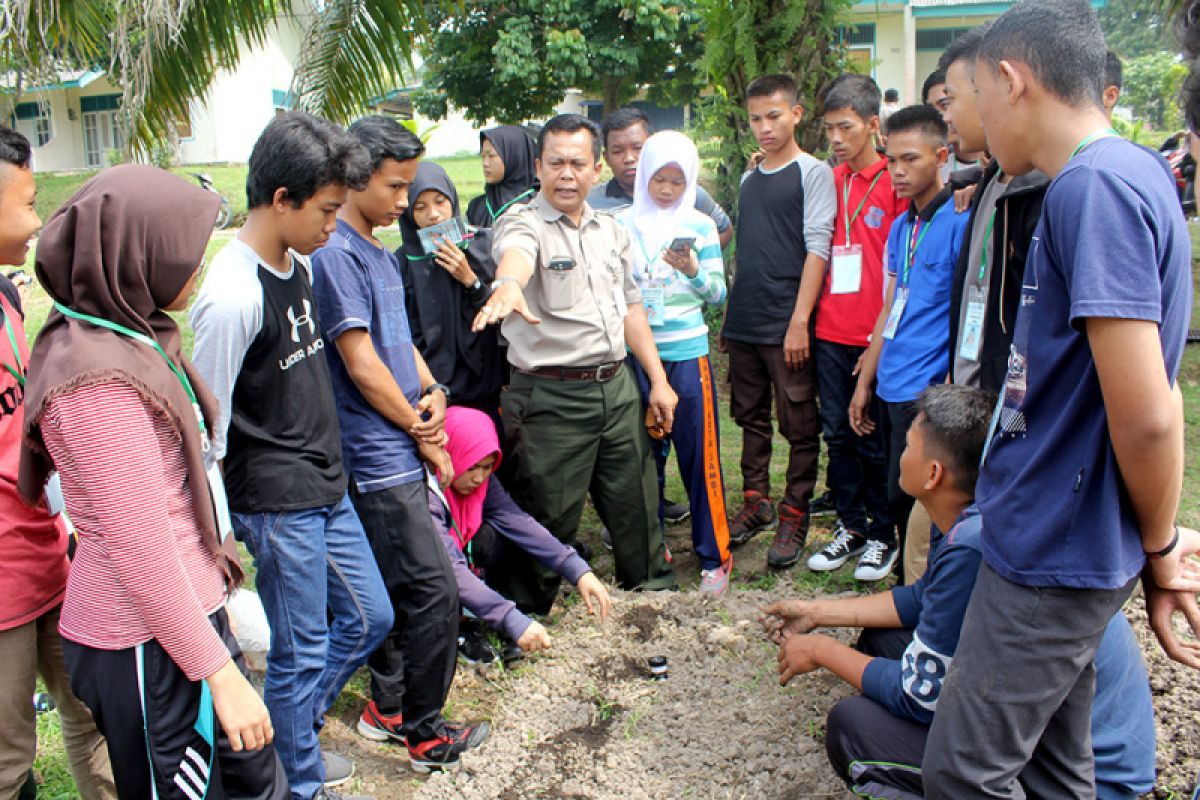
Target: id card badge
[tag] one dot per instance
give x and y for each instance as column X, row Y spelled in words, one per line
column 216, row 484
column 847, row 270
column 972, row 330
column 893, row 320
column 655, row 300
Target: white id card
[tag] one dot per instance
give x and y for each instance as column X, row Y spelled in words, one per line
column 847, row 270
column 655, row 300
column 893, row 320
column 972, row 325
column 216, row 484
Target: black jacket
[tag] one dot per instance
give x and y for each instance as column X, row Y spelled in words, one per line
column 1017, row 213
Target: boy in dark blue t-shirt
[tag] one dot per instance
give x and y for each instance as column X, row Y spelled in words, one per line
column 392, row 413
column 908, row 349
column 1079, row 489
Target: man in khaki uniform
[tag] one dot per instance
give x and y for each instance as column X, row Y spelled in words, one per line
column 572, row 412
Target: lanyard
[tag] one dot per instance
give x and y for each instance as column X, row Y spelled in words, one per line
column 1104, row 134
column 987, row 233
column 465, row 244
column 846, row 200
column 146, row 340
column 914, row 241
column 19, row 371
column 495, row 215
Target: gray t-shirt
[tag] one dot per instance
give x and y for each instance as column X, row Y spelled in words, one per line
column 966, row 371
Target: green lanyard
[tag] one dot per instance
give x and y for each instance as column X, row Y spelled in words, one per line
column 146, row 340
column 846, row 200
column 914, row 241
column 987, row 234
column 19, row 371
column 1104, row 134
column 495, row 215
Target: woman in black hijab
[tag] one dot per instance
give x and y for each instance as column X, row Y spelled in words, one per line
column 444, row 290
column 508, row 153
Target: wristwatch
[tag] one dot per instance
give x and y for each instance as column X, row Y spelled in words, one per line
column 436, row 387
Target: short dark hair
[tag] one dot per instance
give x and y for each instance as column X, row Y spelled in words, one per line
column 621, row 119
column 384, row 137
column 955, row 421
column 964, row 48
column 1187, row 30
column 926, row 119
column 569, row 123
column 935, row 77
column 1061, row 43
column 14, row 148
column 891, row 96
column 301, row 153
column 1113, row 71
column 858, row 93
column 777, row 83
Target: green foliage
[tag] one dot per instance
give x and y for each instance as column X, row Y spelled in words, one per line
column 512, row 60
column 1134, row 28
column 747, row 38
column 1152, row 84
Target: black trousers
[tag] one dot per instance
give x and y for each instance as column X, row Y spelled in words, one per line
column 897, row 417
column 151, row 730
column 413, row 669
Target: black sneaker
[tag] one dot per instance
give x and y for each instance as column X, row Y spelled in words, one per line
column 877, row 561
column 821, row 505
column 443, row 751
column 606, row 538
column 675, row 513
column 845, row 545
column 473, row 644
column 511, row 654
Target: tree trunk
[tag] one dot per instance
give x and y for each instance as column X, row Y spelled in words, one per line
column 612, row 94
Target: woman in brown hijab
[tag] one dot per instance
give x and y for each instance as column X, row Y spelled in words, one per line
column 115, row 407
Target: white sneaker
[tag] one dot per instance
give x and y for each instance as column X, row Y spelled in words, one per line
column 845, row 544
column 876, row 562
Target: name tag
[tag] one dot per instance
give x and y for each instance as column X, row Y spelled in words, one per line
column 216, row 484
column 972, row 324
column 655, row 300
column 893, row 320
column 847, row 270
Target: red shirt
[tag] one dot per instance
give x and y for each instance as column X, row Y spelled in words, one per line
column 850, row 318
column 33, row 546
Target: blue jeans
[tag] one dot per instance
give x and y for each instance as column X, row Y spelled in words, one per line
column 309, row 562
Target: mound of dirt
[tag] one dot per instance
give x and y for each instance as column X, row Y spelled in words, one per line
column 587, row 720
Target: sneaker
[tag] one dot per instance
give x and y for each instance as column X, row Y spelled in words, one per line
column 845, row 545
column 714, row 582
column 606, row 537
column 675, row 513
column 473, row 644
column 380, row 727
column 757, row 514
column 876, row 562
column 821, row 505
column 511, row 654
column 338, row 769
column 328, row 794
column 442, row 751
column 790, row 536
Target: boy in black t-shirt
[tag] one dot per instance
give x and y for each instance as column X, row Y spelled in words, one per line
column 261, row 352
column 787, row 207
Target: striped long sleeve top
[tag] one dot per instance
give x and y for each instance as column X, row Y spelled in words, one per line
column 141, row 570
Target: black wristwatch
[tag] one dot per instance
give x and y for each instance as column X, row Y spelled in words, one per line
column 434, row 387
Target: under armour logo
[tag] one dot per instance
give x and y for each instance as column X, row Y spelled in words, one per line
column 303, row 319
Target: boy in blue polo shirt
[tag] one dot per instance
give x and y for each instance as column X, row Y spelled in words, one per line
column 1082, row 477
column 908, row 348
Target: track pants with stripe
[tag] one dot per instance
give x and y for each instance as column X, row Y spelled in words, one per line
column 697, row 442
column 163, row 737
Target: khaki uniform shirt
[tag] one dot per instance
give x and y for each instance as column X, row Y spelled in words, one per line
column 582, row 307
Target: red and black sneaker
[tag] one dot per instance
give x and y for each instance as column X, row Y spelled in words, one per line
column 442, row 751
column 379, row 727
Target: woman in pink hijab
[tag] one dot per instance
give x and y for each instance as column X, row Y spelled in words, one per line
column 481, row 527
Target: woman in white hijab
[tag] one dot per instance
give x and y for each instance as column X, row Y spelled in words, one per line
column 677, row 265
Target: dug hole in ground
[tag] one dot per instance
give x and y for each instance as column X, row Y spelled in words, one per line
column 585, row 720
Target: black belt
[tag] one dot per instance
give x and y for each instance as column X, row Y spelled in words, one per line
column 600, row 374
